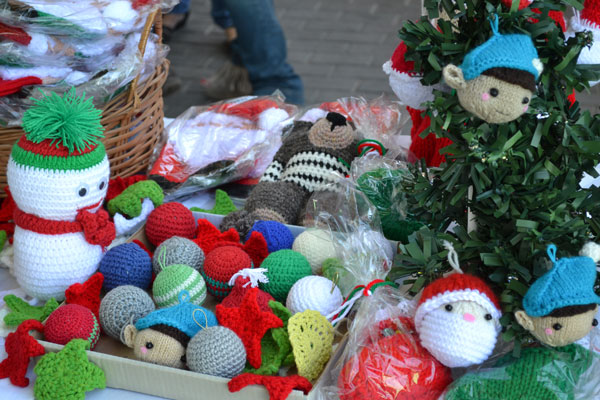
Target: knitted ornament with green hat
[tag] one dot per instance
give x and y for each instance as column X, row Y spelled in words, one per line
column 58, row 174
column 284, row 268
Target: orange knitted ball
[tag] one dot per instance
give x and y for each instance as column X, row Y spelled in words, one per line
column 168, row 220
column 72, row 321
column 220, row 265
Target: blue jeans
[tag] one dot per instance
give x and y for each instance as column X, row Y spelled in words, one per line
column 261, row 49
column 220, row 14
column 182, row 7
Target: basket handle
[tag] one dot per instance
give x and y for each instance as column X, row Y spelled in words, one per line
column 155, row 16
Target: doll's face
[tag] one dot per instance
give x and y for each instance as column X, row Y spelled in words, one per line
column 558, row 331
column 489, row 98
column 157, row 348
column 459, row 334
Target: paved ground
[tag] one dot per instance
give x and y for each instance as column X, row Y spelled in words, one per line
column 337, row 47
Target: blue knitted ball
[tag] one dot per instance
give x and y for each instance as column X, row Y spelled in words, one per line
column 126, row 264
column 277, row 235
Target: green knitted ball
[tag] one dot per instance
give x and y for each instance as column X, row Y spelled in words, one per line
column 284, row 268
column 175, row 278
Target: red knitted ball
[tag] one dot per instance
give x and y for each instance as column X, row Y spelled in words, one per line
column 235, row 297
column 220, row 265
column 393, row 367
column 168, row 220
column 72, row 321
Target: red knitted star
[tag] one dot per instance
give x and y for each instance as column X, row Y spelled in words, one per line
column 279, row 387
column 250, row 324
column 256, row 247
column 86, row 294
column 207, row 236
column 20, row 347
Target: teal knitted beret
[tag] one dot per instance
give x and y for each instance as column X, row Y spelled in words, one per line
column 570, row 282
column 185, row 316
column 514, row 51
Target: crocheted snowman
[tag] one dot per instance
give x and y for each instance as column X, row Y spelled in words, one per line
column 58, row 175
column 458, row 318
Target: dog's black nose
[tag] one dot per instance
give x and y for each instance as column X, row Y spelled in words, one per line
column 336, row 119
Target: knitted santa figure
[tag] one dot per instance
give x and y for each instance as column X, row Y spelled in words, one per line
column 406, row 84
column 58, row 174
column 458, row 317
column 588, row 20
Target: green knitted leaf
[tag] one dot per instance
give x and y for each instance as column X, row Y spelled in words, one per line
column 223, row 204
column 66, row 120
column 67, row 374
column 3, row 237
column 21, row 311
column 129, row 201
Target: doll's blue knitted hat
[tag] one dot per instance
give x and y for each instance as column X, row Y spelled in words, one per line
column 514, row 51
column 185, row 316
column 570, row 282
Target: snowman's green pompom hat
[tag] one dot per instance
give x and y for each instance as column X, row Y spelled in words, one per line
column 61, row 133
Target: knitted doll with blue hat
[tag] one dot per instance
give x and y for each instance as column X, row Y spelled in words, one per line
column 561, row 305
column 162, row 336
column 496, row 80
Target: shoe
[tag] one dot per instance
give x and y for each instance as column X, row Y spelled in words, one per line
column 229, row 82
column 169, row 31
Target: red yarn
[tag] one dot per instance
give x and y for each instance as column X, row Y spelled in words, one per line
column 591, row 12
column 72, row 321
column 220, row 265
column 14, row 34
column 249, row 323
column 279, row 387
column 168, row 220
column 207, row 235
column 256, row 247
column 47, row 147
column 557, row 16
column 20, row 347
column 400, row 64
column 8, row 87
column 458, row 282
column 7, row 211
column 235, row 297
column 117, row 185
column 428, row 148
column 87, row 294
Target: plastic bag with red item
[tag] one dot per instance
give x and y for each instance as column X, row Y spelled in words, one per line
column 382, row 358
column 227, row 141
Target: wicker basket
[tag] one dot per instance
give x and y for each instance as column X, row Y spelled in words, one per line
column 132, row 121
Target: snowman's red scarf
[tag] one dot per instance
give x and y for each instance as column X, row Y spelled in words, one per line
column 96, row 227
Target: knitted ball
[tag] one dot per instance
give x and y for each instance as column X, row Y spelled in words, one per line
column 314, row 293
column 177, row 250
column 72, row 321
column 126, row 264
column 277, row 235
column 168, row 220
column 284, row 268
column 316, row 245
column 175, row 278
column 220, row 265
column 216, row 351
column 122, row 306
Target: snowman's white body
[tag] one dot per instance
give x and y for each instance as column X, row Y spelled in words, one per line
column 45, row 265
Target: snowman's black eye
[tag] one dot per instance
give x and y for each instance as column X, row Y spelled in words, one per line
column 448, row 307
column 101, row 186
column 488, row 317
column 82, row 190
column 494, row 92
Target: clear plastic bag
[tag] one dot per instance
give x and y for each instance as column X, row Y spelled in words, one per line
column 382, row 358
column 211, row 145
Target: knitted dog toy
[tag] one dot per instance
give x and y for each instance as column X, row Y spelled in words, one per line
column 20, row 347
column 216, row 351
column 560, row 306
column 122, row 306
column 308, row 161
column 162, row 336
column 67, row 374
column 496, row 80
column 58, row 174
column 457, row 318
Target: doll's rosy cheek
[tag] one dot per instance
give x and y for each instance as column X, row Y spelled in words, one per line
column 485, row 96
column 549, row 331
column 526, row 108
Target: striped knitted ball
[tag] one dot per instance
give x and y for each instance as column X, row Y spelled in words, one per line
column 177, row 250
column 122, row 306
column 168, row 220
column 175, row 278
column 220, row 265
column 277, row 235
column 126, row 264
column 284, row 268
column 72, row 321
column 216, row 351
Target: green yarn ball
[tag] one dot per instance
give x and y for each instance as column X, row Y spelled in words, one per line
column 284, row 268
column 174, row 279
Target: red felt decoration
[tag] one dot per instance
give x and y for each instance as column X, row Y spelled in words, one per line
column 279, row 387
column 249, row 323
column 117, row 185
column 87, row 294
column 429, row 147
column 207, row 236
column 20, row 347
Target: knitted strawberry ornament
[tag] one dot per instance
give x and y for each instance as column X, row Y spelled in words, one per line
column 58, row 174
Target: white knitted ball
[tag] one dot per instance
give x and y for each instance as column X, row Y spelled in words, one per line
column 314, row 293
column 316, row 245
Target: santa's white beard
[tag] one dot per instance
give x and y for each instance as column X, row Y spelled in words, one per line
column 455, row 342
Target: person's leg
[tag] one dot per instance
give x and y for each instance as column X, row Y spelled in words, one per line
column 181, row 8
column 221, row 17
column 261, row 49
